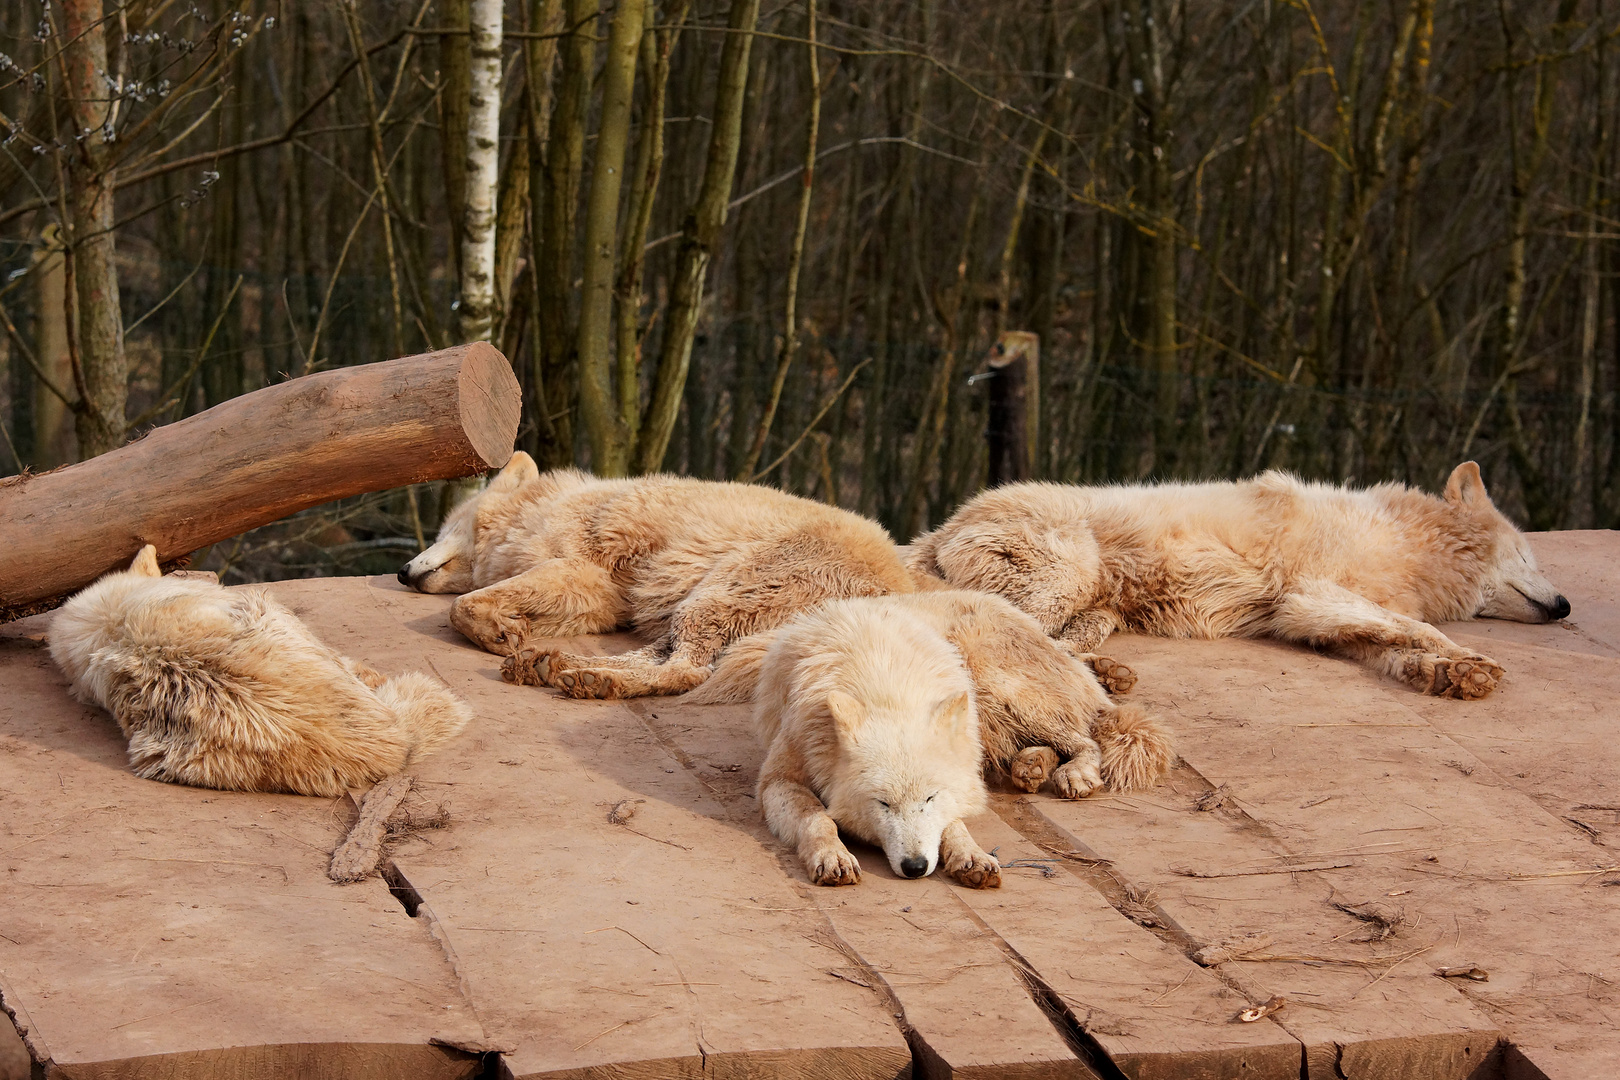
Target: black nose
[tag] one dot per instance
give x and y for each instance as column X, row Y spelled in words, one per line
column 1559, row 609
column 916, row 866
column 405, row 578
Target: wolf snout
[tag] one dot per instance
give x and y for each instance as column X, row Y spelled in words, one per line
column 1558, row 609
column 404, row 575
column 914, row 867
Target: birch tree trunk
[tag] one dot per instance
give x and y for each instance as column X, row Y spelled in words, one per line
column 701, row 234
column 102, row 371
column 477, row 310
column 608, row 433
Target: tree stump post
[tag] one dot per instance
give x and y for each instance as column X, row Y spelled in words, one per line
column 1013, row 428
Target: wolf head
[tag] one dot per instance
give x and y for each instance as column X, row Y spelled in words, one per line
column 1510, row 587
column 447, row 566
column 904, row 774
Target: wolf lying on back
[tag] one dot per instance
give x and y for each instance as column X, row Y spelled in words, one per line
column 225, row 688
column 692, row 563
column 1360, row 574
column 878, row 712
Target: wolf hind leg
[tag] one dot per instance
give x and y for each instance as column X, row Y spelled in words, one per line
column 962, row 858
column 1332, row 618
column 1032, row 767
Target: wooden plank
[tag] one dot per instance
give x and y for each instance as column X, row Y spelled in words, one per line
column 253, row 459
column 156, row 930
column 1156, row 1014
column 669, row 945
column 1324, row 759
column 967, row 1010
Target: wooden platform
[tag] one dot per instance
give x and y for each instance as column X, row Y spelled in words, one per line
column 148, row 930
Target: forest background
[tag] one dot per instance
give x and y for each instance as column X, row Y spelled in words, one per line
column 777, row 239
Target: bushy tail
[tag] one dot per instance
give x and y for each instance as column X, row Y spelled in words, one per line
column 735, row 673
column 1136, row 748
column 430, row 714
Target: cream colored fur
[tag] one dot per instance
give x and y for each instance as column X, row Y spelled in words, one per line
column 868, row 719
column 1360, row 574
column 693, row 564
column 225, row 688
column 1042, row 712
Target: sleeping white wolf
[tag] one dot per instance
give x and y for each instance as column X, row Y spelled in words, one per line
column 225, row 688
column 1360, row 574
column 693, row 564
column 878, row 711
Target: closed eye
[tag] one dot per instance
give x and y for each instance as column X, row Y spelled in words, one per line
column 883, row 804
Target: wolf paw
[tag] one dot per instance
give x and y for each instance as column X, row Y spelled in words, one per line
column 1116, row 678
column 833, row 866
column 1033, row 766
column 529, row 667
column 975, row 869
column 1467, row 677
column 589, row 683
column 1077, row 778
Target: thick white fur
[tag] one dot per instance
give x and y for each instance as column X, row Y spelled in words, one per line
column 1042, row 714
column 870, row 725
column 225, row 688
column 693, row 564
column 1358, row 573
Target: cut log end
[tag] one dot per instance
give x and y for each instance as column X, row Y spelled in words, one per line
column 491, row 403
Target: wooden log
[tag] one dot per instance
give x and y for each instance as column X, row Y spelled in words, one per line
column 253, row 460
column 1013, row 424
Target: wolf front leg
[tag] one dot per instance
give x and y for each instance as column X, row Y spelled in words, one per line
column 797, row 817
column 962, row 858
column 557, row 598
column 1332, row 618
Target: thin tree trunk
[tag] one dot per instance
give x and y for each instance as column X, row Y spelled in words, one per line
column 609, row 435
column 511, row 203
column 540, row 56
column 700, row 235
column 92, row 179
column 1527, row 163
column 455, row 93
column 559, row 211
column 1145, row 31
column 655, row 52
column 790, row 334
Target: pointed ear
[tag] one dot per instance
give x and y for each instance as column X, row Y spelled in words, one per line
column 847, row 713
column 1466, row 487
column 952, row 713
column 146, row 564
column 520, row 470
